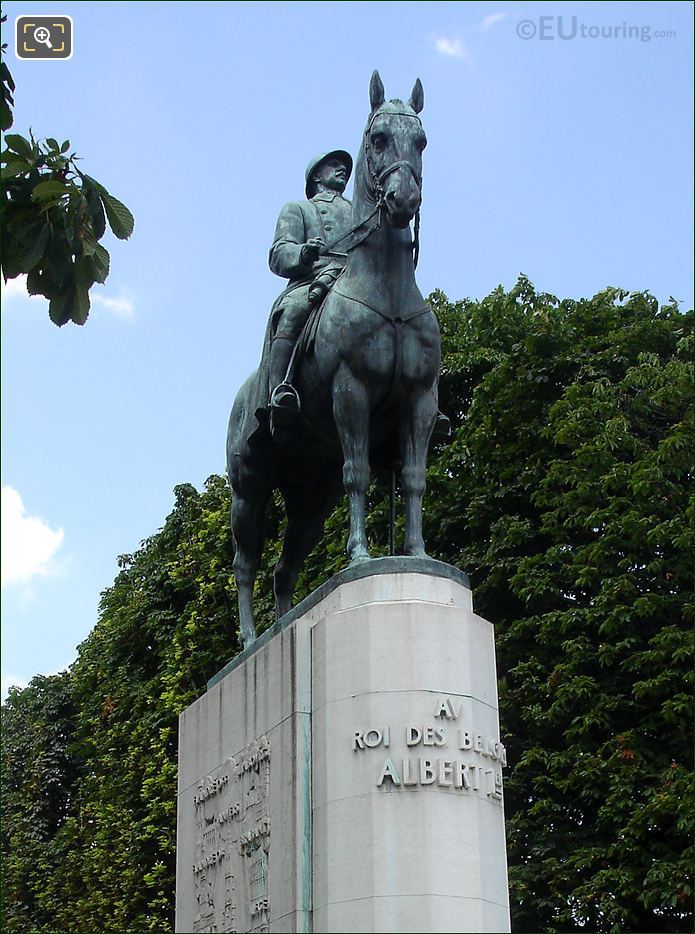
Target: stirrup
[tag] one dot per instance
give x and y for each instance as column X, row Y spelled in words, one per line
column 284, row 409
column 441, row 433
column 286, row 398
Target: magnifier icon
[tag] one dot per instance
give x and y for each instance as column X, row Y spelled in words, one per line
column 43, row 35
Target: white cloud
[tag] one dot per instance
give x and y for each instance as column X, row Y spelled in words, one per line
column 28, row 544
column 454, row 47
column 120, row 307
column 15, row 290
column 490, row 20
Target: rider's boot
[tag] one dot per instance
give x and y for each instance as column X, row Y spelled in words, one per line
column 284, row 400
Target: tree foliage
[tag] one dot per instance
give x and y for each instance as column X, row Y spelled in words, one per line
column 564, row 495
column 39, row 779
column 8, row 88
column 53, row 216
column 572, row 472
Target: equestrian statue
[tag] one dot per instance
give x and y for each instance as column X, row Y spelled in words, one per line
column 349, row 371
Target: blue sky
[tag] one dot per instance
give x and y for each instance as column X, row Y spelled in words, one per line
column 568, row 159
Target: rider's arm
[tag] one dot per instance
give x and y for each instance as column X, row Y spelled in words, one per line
column 290, row 237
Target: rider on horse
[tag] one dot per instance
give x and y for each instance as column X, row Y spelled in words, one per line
column 299, row 253
column 369, row 377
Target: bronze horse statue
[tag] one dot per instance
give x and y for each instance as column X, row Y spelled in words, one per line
column 367, row 376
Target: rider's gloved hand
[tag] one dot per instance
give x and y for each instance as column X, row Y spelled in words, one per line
column 311, row 249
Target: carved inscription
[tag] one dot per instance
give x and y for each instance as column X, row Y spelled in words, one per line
column 445, row 755
column 231, row 865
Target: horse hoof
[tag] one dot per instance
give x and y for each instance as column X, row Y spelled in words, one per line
column 359, row 559
column 248, row 640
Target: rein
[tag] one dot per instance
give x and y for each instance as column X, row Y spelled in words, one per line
column 378, row 179
column 330, row 251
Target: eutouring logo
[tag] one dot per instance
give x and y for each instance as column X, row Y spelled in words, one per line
column 567, row 28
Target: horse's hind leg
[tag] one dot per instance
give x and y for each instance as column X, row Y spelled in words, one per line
column 414, row 436
column 351, row 413
column 248, row 529
column 307, row 510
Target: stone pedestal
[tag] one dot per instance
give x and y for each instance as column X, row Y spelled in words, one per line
column 345, row 773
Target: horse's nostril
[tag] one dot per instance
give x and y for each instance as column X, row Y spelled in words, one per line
column 395, row 198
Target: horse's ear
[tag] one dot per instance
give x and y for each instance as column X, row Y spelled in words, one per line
column 417, row 98
column 376, row 91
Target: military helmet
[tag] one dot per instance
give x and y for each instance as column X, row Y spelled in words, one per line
column 315, row 163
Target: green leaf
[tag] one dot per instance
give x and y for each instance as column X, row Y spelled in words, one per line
column 31, row 253
column 121, row 220
column 53, row 144
column 6, row 118
column 80, row 304
column 18, row 144
column 100, row 261
column 16, row 167
column 66, row 145
column 35, row 282
column 88, row 241
column 10, row 265
column 80, row 223
column 5, row 73
column 7, row 100
column 50, row 190
column 84, row 277
column 96, row 208
column 57, row 309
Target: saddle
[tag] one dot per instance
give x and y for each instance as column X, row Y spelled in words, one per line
column 307, row 338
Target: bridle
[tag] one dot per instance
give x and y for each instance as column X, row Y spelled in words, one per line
column 365, row 226
column 378, row 178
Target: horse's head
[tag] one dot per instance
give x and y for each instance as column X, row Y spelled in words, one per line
column 393, row 144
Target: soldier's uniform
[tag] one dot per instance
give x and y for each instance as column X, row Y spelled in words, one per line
column 328, row 216
column 325, row 215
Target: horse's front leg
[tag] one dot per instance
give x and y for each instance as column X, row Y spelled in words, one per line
column 351, row 413
column 414, row 436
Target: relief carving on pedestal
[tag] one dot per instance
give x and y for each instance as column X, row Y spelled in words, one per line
column 232, row 845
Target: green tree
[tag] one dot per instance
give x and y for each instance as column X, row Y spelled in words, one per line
column 572, row 469
column 38, row 781
column 53, row 216
column 564, row 495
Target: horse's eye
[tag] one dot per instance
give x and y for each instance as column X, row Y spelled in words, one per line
column 378, row 141
column 421, row 142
